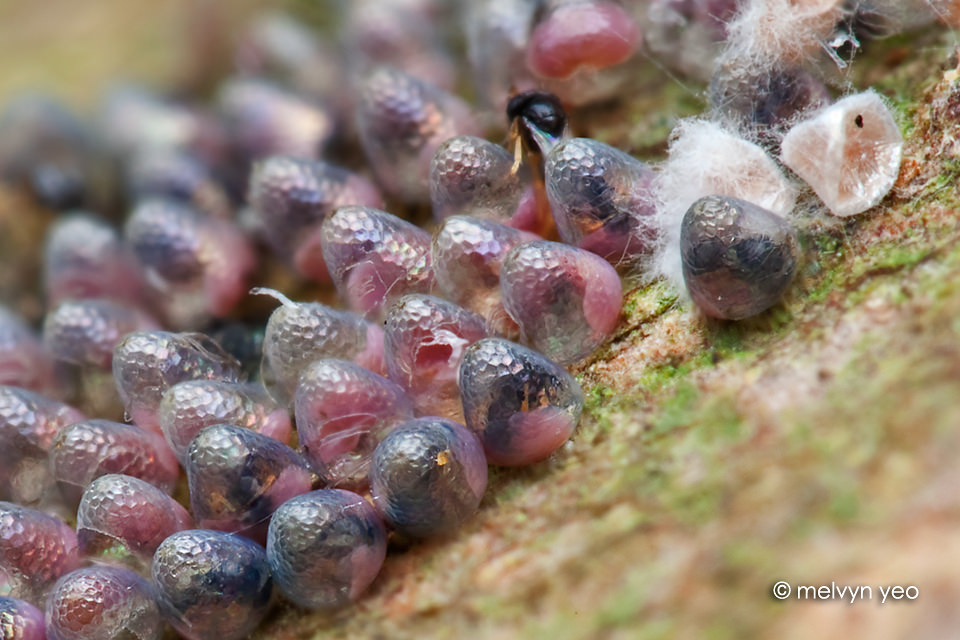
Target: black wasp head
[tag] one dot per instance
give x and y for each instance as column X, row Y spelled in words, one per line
column 536, row 109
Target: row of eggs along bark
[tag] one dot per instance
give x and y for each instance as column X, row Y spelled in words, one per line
column 296, row 334
column 546, row 399
column 142, row 367
column 428, row 474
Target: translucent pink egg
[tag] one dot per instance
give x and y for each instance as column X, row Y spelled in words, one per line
column 566, row 300
column 89, row 449
column 35, row 550
column 343, row 411
column 121, row 516
column 592, row 34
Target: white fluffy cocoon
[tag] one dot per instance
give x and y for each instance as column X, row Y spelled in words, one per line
column 705, row 159
column 770, row 32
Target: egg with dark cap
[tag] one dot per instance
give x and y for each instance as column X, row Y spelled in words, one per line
column 212, row 584
column 738, row 258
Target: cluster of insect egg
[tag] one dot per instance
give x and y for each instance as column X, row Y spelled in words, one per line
column 450, row 354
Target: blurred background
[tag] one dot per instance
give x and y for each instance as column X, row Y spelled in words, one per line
column 76, row 50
